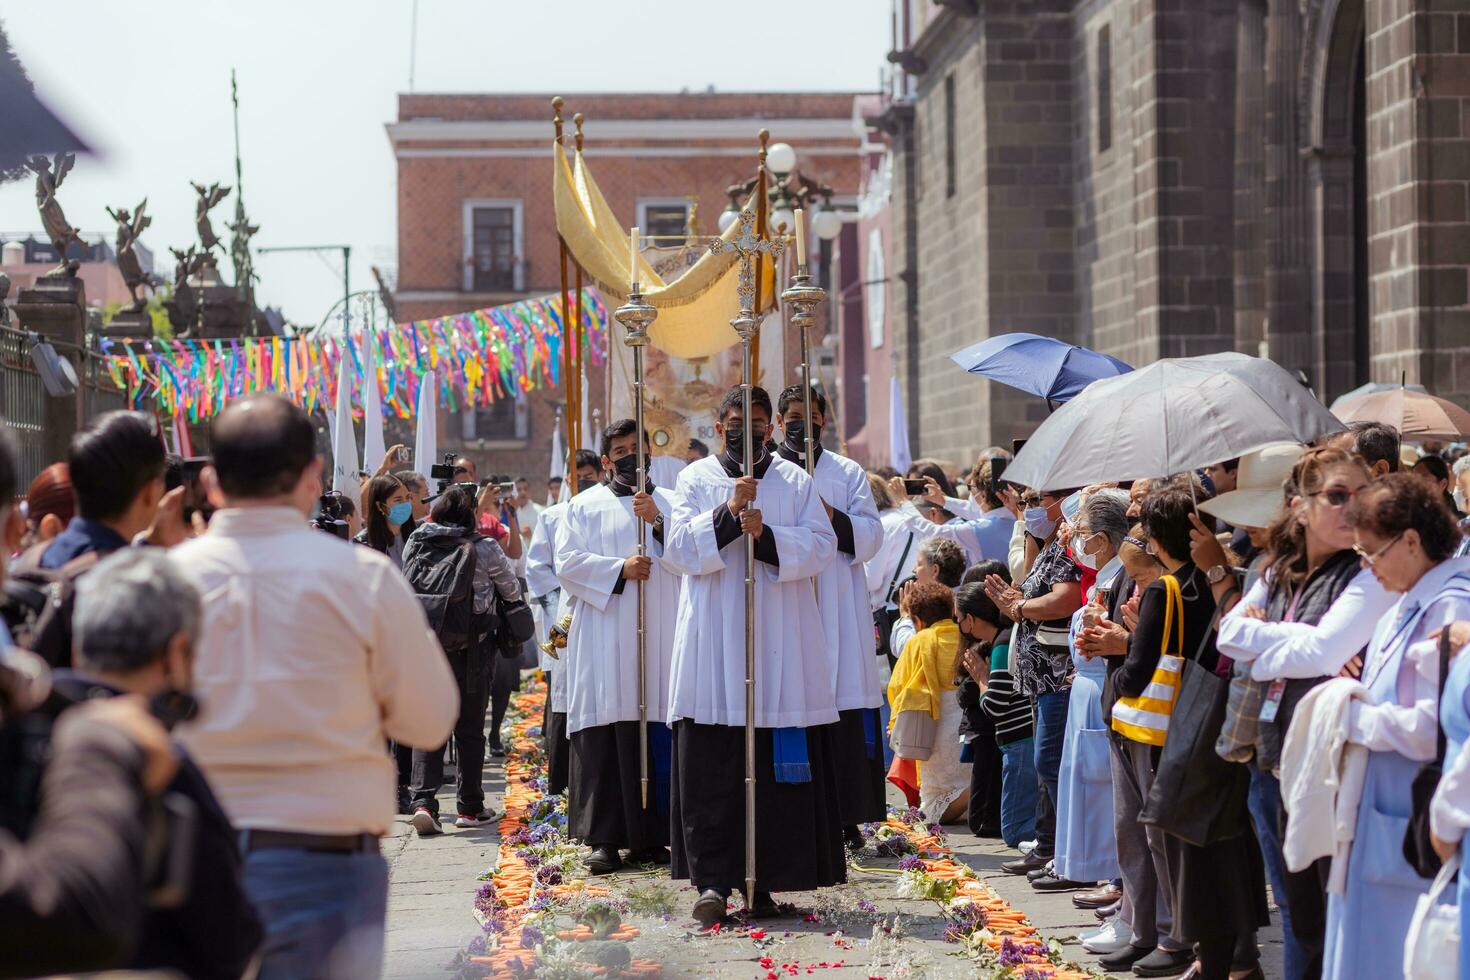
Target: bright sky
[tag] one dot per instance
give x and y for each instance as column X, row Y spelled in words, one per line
column 147, row 83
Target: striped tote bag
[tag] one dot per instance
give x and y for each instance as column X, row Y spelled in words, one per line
column 1146, row 718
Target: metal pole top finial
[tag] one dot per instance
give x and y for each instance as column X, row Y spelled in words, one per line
column 765, row 137
column 556, row 104
column 577, row 121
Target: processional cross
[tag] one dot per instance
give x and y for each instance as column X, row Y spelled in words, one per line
column 749, row 246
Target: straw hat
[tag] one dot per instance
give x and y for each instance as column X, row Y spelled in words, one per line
column 1257, row 497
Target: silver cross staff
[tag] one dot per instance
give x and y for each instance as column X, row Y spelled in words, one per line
column 749, row 246
column 636, row 316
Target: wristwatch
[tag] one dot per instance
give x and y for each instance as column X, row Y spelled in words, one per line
column 1216, row 574
column 658, row 521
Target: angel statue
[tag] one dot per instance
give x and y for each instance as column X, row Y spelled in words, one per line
column 49, row 175
column 130, row 225
column 208, row 198
column 183, row 306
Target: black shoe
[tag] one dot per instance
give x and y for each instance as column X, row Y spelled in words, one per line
column 764, row 907
column 1051, row 883
column 853, row 838
column 1041, row 872
column 649, row 855
column 1025, row 865
column 1123, row 959
column 709, row 908
column 604, row 861
column 496, row 749
column 989, row 833
column 1164, row 963
column 405, row 801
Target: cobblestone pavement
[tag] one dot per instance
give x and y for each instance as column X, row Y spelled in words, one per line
column 433, row 885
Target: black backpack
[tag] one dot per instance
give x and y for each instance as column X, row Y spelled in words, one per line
column 36, row 603
column 442, row 572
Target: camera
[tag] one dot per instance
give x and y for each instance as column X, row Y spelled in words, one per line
column 330, row 515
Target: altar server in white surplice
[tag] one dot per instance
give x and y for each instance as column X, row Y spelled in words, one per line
column 798, row 833
column 598, row 564
column 842, row 595
column 544, row 588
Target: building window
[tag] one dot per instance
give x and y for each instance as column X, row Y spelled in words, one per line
column 492, row 247
column 503, row 420
column 1104, row 88
column 665, row 222
column 949, row 183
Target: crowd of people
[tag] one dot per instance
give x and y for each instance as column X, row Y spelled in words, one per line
column 1163, row 695
column 1172, row 693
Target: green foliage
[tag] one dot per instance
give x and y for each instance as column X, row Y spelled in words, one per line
column 163, row 327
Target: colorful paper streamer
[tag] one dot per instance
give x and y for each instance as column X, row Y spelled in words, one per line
column 479, row 356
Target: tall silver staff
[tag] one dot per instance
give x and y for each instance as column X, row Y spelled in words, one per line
column 749, row 246
column 803, row 296
column 636, row 316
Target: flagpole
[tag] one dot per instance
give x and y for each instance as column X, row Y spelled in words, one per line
column 570, row 479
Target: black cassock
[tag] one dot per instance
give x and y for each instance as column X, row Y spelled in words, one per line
column 862, row 783
column 605, row 796
column 554, row 727
column 798, row 835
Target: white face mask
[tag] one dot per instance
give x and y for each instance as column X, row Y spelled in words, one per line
column 1459, row 496
column 1083, row 558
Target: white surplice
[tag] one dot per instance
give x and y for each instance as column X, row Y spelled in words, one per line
column 842, row 588
column 597, row 533
column 794, row 662
column 541, row 580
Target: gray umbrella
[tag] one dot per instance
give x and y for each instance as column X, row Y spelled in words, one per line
column 1174, row 415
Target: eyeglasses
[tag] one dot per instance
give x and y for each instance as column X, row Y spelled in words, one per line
column 1370, row 560
column 1031, row 500
column 1336, row 497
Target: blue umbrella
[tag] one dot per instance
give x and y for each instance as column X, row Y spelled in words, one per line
column 1045, row 366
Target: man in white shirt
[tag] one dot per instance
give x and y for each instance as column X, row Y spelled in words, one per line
column 798, row 833
column 313, row 654
column 599, row 566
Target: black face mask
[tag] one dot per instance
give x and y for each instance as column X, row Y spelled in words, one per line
column 795, row 431
column 625, row 470
column 735, row 443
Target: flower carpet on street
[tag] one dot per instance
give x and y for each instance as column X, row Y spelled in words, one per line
column 915, row 912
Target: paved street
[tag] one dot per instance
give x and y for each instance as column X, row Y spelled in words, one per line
column 433, row 887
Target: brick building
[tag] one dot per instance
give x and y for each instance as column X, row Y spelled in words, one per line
column 476, row 224
column 1159, row 178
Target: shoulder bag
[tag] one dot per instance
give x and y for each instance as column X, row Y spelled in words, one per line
column 1418, row 850
column 1196, row 795
column 1145, row 718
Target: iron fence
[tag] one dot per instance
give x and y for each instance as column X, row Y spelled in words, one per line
column 24, row 402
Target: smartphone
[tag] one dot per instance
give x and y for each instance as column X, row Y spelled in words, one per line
column 506, row 489
column 997, row 470
column 403, row 454
column 915, row 488
column 1016, row 445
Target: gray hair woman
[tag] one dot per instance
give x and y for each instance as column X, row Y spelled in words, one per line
column 1086, row 849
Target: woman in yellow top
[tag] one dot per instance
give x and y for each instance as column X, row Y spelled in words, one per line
column 924, row 680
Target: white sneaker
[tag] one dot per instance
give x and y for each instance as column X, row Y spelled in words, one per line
column 474, row 820
column 426, row 823
column 1112, row 937
column 1026, row 846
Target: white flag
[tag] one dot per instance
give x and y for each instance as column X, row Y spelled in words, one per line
column 898, row 430
column 373, row 449
column 344, row 440
column 558, row 469
column 426, row 442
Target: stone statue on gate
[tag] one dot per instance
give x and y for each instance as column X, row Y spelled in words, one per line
column 183, row 306
column 49, row 175
column 130, row 225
